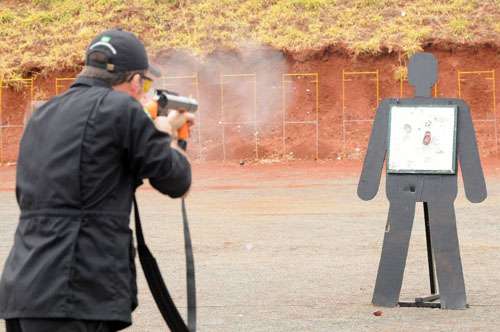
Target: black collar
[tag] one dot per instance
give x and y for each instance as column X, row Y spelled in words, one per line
column 90, row 81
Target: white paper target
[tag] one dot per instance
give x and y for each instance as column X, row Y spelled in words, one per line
column 422, row 139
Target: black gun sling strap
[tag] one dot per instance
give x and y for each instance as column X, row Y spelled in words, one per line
column 155, row 280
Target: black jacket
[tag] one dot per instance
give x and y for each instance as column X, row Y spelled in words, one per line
column 82, row 155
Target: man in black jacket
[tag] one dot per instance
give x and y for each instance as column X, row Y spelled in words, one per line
column 82, row 156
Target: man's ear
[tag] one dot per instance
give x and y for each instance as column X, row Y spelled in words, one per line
column 136, row 83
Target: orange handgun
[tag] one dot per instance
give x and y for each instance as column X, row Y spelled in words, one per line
column 164, row 101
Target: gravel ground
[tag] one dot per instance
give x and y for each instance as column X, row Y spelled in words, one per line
column 300, row 253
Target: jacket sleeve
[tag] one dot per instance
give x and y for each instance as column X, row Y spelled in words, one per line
column 150, row 156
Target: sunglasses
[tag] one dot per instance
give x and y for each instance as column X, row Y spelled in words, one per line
column 147, row 83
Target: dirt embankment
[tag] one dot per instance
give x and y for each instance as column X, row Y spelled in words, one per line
column 262, row 104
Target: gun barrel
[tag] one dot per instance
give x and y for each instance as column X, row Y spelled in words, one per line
column 180, row 103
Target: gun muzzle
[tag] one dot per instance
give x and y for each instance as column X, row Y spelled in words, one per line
column 171, row 101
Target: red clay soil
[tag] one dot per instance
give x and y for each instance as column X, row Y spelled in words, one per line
column 233, row 175
column 241, row 117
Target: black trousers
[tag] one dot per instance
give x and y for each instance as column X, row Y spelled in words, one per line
column 55, row 325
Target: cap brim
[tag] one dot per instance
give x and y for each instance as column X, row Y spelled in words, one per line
column 154, row 71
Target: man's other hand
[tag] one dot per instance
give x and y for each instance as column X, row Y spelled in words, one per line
column 173, row 122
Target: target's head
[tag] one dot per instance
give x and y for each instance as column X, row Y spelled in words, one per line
column 422, row 73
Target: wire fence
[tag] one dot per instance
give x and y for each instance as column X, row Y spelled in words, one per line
column 291, row 78
column 488, row 117
column 12, row 117
column 484, row 113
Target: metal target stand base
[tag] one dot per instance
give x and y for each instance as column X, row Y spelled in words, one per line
column 428, row 301
column 423, row 302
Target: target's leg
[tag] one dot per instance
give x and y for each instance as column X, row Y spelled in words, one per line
column 446, row 250
column 394, row 252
